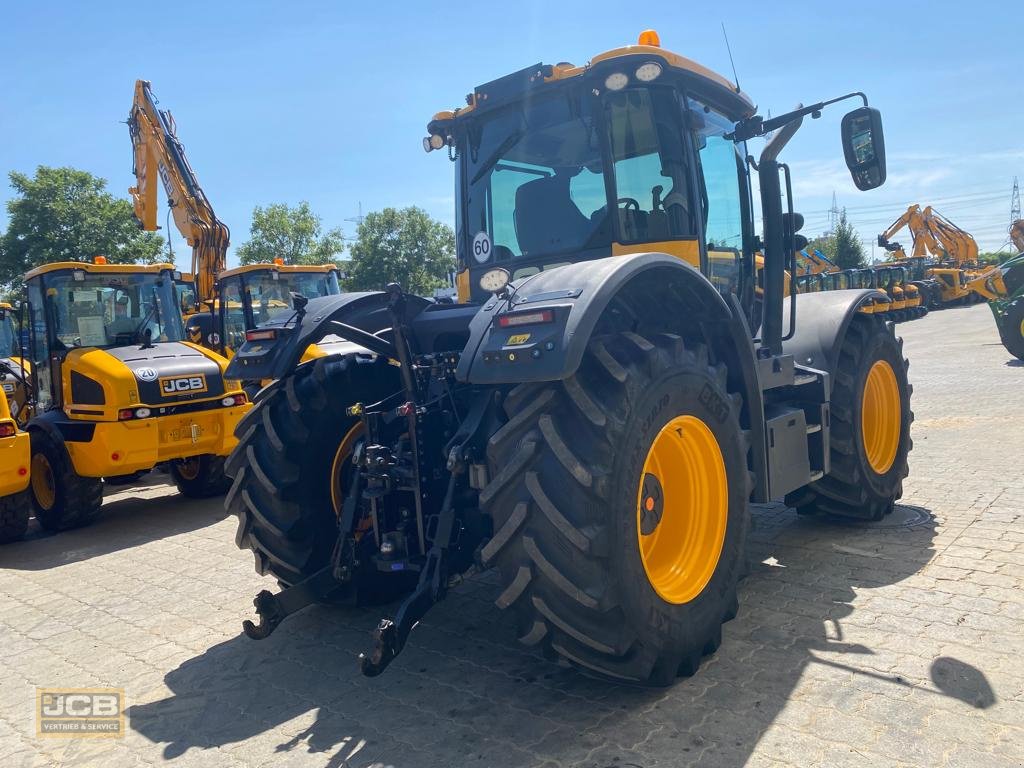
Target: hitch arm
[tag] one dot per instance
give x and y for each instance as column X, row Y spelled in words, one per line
column 390, row 635
column 273, row 609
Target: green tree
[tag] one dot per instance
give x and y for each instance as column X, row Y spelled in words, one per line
column 280, row 231
column 401, row 246
column 64, row 214
column 843, row 246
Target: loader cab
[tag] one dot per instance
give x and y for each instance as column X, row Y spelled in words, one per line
column 9, row 344
column 76, row 307
column 563, row 164
column 256, row 293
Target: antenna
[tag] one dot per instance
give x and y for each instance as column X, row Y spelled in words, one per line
column 733, row 63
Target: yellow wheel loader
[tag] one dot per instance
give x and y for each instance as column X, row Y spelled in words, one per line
column 15, row 460
column 117, row 391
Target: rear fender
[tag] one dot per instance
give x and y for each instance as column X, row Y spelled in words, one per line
column 261, row 360
column 578, row 296
column 821, row 323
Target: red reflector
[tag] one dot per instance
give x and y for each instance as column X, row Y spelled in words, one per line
column 125, row 413
column 115, row 456
column 22, row 471
column 7, row 429
column 265, row 334
column 526, row 318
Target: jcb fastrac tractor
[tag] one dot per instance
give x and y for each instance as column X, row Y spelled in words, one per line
column 594, row 418
column 115, row 391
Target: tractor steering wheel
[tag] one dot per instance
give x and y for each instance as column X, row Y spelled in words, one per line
column 629, row 202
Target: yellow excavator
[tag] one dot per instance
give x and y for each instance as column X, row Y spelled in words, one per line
column 933, row 236
column 219, row 325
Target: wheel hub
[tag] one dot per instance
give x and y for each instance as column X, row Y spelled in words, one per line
column 881, row 417
column 682, row 509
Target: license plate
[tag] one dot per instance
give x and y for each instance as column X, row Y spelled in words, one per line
column 189, row 432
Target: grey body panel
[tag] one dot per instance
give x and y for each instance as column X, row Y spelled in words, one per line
column 821, row 323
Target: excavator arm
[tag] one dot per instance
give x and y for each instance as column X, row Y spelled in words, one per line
column 960, row 246
column 158, row 153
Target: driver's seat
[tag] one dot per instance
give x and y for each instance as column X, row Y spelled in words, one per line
column 546, row 218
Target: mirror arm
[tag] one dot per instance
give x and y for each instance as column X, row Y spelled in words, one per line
column 756, row 125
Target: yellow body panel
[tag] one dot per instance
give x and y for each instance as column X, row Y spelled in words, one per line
column 141, row 444
column 685, row 250
column 103, row 269
column 15, row 455
column 283, row 268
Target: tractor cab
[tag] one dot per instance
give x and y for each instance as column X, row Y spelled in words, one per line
column 14, row 368
column 629, row 154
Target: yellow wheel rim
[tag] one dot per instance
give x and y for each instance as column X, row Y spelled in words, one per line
column 345, row 449
column 1022, row 329
column 44, row 488
column 189, row 468
column 682, row 509
column 881, row 417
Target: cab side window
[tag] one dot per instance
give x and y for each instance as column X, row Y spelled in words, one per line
column 721, row 190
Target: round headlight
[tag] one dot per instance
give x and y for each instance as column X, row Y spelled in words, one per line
column 436, row 141
column 495, row 280
column 649, row 71
column 426, row 144
column 142, row 413
column 616, row 81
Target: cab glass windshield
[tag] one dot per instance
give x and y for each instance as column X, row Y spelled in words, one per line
column 8, row 337
column 270, row 296
column 534, row 180
column 102, row 310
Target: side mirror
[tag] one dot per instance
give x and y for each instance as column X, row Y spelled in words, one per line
column 800, row 242
column 864, row 147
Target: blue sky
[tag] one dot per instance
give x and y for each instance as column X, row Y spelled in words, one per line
column 328, row 102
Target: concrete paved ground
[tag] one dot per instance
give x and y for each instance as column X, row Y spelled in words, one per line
column 891, row 644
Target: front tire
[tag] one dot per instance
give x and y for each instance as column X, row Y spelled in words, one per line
column 870, row 435
column 200, row 477
column 15, row 511
column 61, row 498
column 586, row 476
column 1011, row 329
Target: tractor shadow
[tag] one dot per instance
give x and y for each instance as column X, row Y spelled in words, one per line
column 147, row 510
column 463, row 692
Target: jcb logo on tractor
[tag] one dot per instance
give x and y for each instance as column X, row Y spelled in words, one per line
column 178, row 385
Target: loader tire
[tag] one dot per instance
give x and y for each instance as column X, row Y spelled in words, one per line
column 1011, row 329
column 15, row 511
column 643, row 441
column 200, row 477
column 61, row 498
column 291, row 449
column 870, row 435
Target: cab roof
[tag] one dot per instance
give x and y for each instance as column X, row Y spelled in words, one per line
column 721, row 92
column 283, row 268
column 103, row 269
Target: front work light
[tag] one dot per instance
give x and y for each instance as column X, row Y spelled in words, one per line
column 616, row 81
column 645, row 73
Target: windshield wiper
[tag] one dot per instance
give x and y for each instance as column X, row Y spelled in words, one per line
column 152, row 313
column 496, row 155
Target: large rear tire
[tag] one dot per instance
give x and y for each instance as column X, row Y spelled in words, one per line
column 15, row 511
column 290, row 466
column 620, row 506
column 870, row 434
column 61, row 498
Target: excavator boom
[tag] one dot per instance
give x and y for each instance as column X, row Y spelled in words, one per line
column 158, row 153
